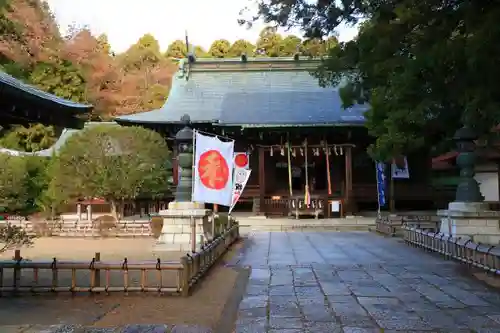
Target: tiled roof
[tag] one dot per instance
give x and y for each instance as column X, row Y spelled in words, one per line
column 278, row 92
column 18, row 85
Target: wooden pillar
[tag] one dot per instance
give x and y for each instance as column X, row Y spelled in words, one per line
column 262, row 180
column 348, row 209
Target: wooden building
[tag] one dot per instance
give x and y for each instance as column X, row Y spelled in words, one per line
column 23, row 104
column 269, row 104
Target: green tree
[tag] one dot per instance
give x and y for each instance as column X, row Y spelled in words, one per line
column 61, row 78
column 291, row 45
column 241, row 46
column 269, row 43
column 317, row 47
column 177, row 49
column 103, row 43
column 219, row 48
column 425, row 67
column 111, row 162
column 33, row 138
column 143, row 54
column 14, row 183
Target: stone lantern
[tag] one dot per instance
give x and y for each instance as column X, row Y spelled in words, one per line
column 184, row 144
column 468, row 188
column 186, row 224
column 469, row 216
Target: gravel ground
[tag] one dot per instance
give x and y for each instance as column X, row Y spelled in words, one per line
column 203, row 308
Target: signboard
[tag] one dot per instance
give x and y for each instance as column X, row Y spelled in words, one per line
column 241, row 177
column 400, row 172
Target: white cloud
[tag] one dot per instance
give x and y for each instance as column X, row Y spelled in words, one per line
column 125, row 21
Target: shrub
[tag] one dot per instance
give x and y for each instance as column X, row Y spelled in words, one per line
column 104, row 225
column 156, row 225
column 12, row 237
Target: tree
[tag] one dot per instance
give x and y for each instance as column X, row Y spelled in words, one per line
column 111, row 162
column 425, row 67
column 219, row 48
column 33, row 138
column 14, row 192
column 317, row 47
column 177, row 49
column 241, row 46
column 290, row 46
column 269, row 43
column 143, row 54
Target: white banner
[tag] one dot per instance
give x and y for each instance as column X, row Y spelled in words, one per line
column 400, row 173
column 241, row 177
column 213, row 170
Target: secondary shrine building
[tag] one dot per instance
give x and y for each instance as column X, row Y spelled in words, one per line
column 298, row 137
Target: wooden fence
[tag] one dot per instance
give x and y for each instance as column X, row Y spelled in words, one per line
column 165, row 277
column 84, row 228
column 392, row 225
column 483, row 256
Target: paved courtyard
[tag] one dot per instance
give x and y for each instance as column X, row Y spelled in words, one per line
column 358, row 282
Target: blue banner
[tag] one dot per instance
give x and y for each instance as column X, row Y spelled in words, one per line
column 381, row 183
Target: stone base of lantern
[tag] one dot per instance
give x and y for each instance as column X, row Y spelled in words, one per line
column 179, row 220
column 471, row 220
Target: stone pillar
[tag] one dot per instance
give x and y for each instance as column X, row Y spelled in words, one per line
column 89, row 212
column 79, row 211
column 469, row 216
column 186, row 224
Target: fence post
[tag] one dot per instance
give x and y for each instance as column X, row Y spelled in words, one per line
column 185, row 277
column 17, row 269
column 97, row 272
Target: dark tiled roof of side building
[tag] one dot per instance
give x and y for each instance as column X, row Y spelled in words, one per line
column 261, row 92
column 10, row 81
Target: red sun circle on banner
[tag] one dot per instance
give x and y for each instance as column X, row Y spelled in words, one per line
column 213, row 170
column 241, row 160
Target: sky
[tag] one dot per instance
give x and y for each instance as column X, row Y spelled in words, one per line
column 125, row 21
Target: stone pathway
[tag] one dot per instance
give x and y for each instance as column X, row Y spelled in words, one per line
column 356, row 282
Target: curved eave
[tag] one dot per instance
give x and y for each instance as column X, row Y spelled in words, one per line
column 126, row 121
column 14, row 85
column 345, row 124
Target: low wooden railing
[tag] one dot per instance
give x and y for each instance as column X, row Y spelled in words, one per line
column 392, row 225
column 84, row 228
column 483, row 256
column 102, row 276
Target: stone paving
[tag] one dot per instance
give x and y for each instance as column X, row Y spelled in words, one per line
column 357, row 282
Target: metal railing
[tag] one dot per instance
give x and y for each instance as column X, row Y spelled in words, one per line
column 166, row 277
column 483, row 256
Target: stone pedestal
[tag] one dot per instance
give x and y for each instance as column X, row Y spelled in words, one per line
column 471, row 220
column 177, row 231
